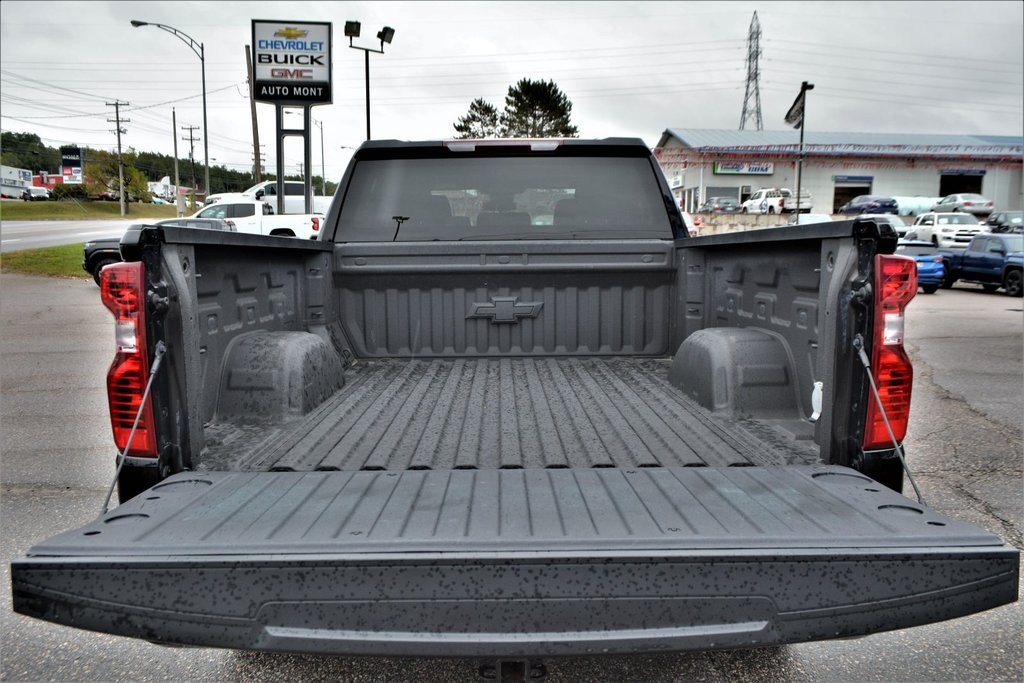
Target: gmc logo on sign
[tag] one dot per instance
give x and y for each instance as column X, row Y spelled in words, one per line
column 291, row 73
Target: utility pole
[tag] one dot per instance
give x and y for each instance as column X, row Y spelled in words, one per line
column 323, row 172
column 252, row 108
column 257, row 166
column 753, row 91
column 117, row 120
column 192, row 158
column 174, row 134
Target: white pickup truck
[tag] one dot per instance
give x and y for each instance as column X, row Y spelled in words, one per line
column 294, row 196
column 777, row 200
column 257, row 217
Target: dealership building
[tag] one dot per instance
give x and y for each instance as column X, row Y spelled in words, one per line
column 704, row 163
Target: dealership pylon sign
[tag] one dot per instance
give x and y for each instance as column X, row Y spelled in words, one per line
column 292, row 62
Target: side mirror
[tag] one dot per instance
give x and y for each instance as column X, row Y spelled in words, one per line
column 259, row 194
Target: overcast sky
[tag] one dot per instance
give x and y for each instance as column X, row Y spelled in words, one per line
column 630, row 69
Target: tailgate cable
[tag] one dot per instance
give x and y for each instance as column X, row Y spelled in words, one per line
column 158, row 355
column 858, row 343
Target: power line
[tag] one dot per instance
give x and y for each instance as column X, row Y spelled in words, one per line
column 863, row 51
column 868, row 58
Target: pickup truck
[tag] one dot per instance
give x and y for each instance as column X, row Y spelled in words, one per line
column 256, row 217
column 777, row 200
column 991, row 260
column 789, row 201
column 294, row 196
column 97, row 254
column 505, row 407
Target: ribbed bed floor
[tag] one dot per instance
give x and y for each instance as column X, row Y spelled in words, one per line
column 501, row 413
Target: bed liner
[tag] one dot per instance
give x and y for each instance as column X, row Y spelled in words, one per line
column 507, row 413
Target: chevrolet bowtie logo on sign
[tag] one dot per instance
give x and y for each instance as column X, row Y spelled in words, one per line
column 505, row 309
column 290, row 32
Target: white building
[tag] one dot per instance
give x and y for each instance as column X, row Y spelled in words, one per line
column 13, row 181
column 702, row 163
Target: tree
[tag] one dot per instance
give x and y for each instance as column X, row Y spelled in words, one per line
column 537, row 109
column 480, row 122
column 102, row 170
column 533, row 109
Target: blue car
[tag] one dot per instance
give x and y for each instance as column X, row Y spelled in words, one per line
column 930, row 268
column 870, row 203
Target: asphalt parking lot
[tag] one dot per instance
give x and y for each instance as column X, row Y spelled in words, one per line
column 964, row 444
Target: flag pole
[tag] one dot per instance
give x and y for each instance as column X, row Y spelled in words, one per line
column 804, row 87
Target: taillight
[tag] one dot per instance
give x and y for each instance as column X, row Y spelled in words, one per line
column 316, row 224
column 937, row 259
column 968, row 203
column 895, row 286
column 122, row 288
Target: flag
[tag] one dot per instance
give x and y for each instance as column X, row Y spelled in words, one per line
column 795, row 115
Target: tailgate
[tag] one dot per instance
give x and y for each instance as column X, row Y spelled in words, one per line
column 517, row 562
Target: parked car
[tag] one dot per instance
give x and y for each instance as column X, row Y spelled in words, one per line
column 931, row 270
column 720, row 205
column 765, row 200
column 1005, row 221
column 806, row 218
column 991, row 260
column 100, row 253
column 964, row 203
column 869, row 203
column 35, row 194
column 946, row 230
column 111, row 196
column 896, row 222
column 912, row 206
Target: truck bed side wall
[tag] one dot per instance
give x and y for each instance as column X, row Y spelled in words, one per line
column 228, row 285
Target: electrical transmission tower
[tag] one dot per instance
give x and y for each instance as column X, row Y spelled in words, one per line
column 752, row 110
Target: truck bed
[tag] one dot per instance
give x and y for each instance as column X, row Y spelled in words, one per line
column 509, row 413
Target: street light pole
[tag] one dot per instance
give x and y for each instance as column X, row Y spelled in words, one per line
column 200, row 51
column 385, row 35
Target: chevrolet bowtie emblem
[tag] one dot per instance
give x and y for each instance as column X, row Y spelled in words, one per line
column 505, row 309
column 289, row 32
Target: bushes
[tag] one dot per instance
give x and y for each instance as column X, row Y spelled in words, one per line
column 65, row 191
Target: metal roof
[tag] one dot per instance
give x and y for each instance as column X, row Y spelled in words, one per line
column 847, row 144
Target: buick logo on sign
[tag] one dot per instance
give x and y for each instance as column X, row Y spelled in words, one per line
column 505, row 309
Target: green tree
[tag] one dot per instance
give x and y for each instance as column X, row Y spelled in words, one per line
column 26, row 150
column 537, row 109
column 480, row 122
column 101, row 171
column 533, row 109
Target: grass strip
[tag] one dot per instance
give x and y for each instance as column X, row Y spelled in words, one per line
column 62, row 261
column 71, row 210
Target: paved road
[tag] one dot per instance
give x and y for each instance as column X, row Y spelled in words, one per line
column 16, row 235
column 965, row 444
